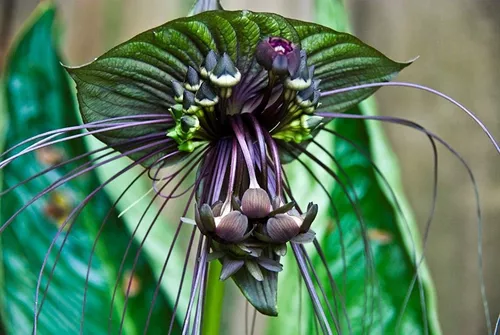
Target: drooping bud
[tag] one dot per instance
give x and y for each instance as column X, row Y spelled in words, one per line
column 209, row 64
column 192, row 81
column 177, row 111
column 310, row 122
column 225, row 73
column 283, row 227
column 280, row 250
column 303, row 238
column 278, row 55
column 255, row 203
column 189, row 123
column 178, row 91
column 302, row 78
column 205, row 96
column 310, row 96
column 188, row 103
column 231, row 227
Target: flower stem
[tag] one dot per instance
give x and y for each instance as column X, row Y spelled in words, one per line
column 213, row 301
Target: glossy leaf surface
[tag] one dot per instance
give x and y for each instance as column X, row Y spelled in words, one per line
column 39, row 99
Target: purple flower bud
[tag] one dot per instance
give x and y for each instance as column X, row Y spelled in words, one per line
column 232, row 227
column 283, row 227
column 278, row 55
column 255, row 203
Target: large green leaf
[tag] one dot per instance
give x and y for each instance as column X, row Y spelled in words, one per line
column 135, row 77
column 39, row 99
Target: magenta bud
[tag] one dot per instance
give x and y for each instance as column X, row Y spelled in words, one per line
column 278, row 55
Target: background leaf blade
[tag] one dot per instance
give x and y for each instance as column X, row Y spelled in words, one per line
column 39, row 99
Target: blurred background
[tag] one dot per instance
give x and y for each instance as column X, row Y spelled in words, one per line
column 459, row 46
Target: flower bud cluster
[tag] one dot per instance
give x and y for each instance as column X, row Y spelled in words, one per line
column 287, row 64
column 197, row 97
column 253, row 231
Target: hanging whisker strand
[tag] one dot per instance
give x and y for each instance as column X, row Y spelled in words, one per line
column 167, row 258
column 79, row 128
column 44, row 143
column 74, row 212
column 472, row 178
column 422, row 88
column 320, row 315
column 418, row 260
column 141, row 245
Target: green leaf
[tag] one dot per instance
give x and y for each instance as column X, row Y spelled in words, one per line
column 39, row 99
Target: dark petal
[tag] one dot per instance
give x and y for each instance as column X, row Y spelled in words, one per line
column 197, row 219
column 230, row 267
column 280, row 65
column 215, row 255
column 293, row 61
column 217, row 208
column 306, row 237
column 207, row 218
column 232, row 227
column 283, row 209
column 261, row 294
column 270, row 264
column 265, row 54
column 282, row 228
column 255, row 203
column 280, row 250
column 254, row 270
column 309, row 218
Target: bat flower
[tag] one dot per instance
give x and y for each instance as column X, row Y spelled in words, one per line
column 234, row 96
column 219, row 103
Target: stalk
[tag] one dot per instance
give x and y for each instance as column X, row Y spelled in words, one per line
column 213, row 302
